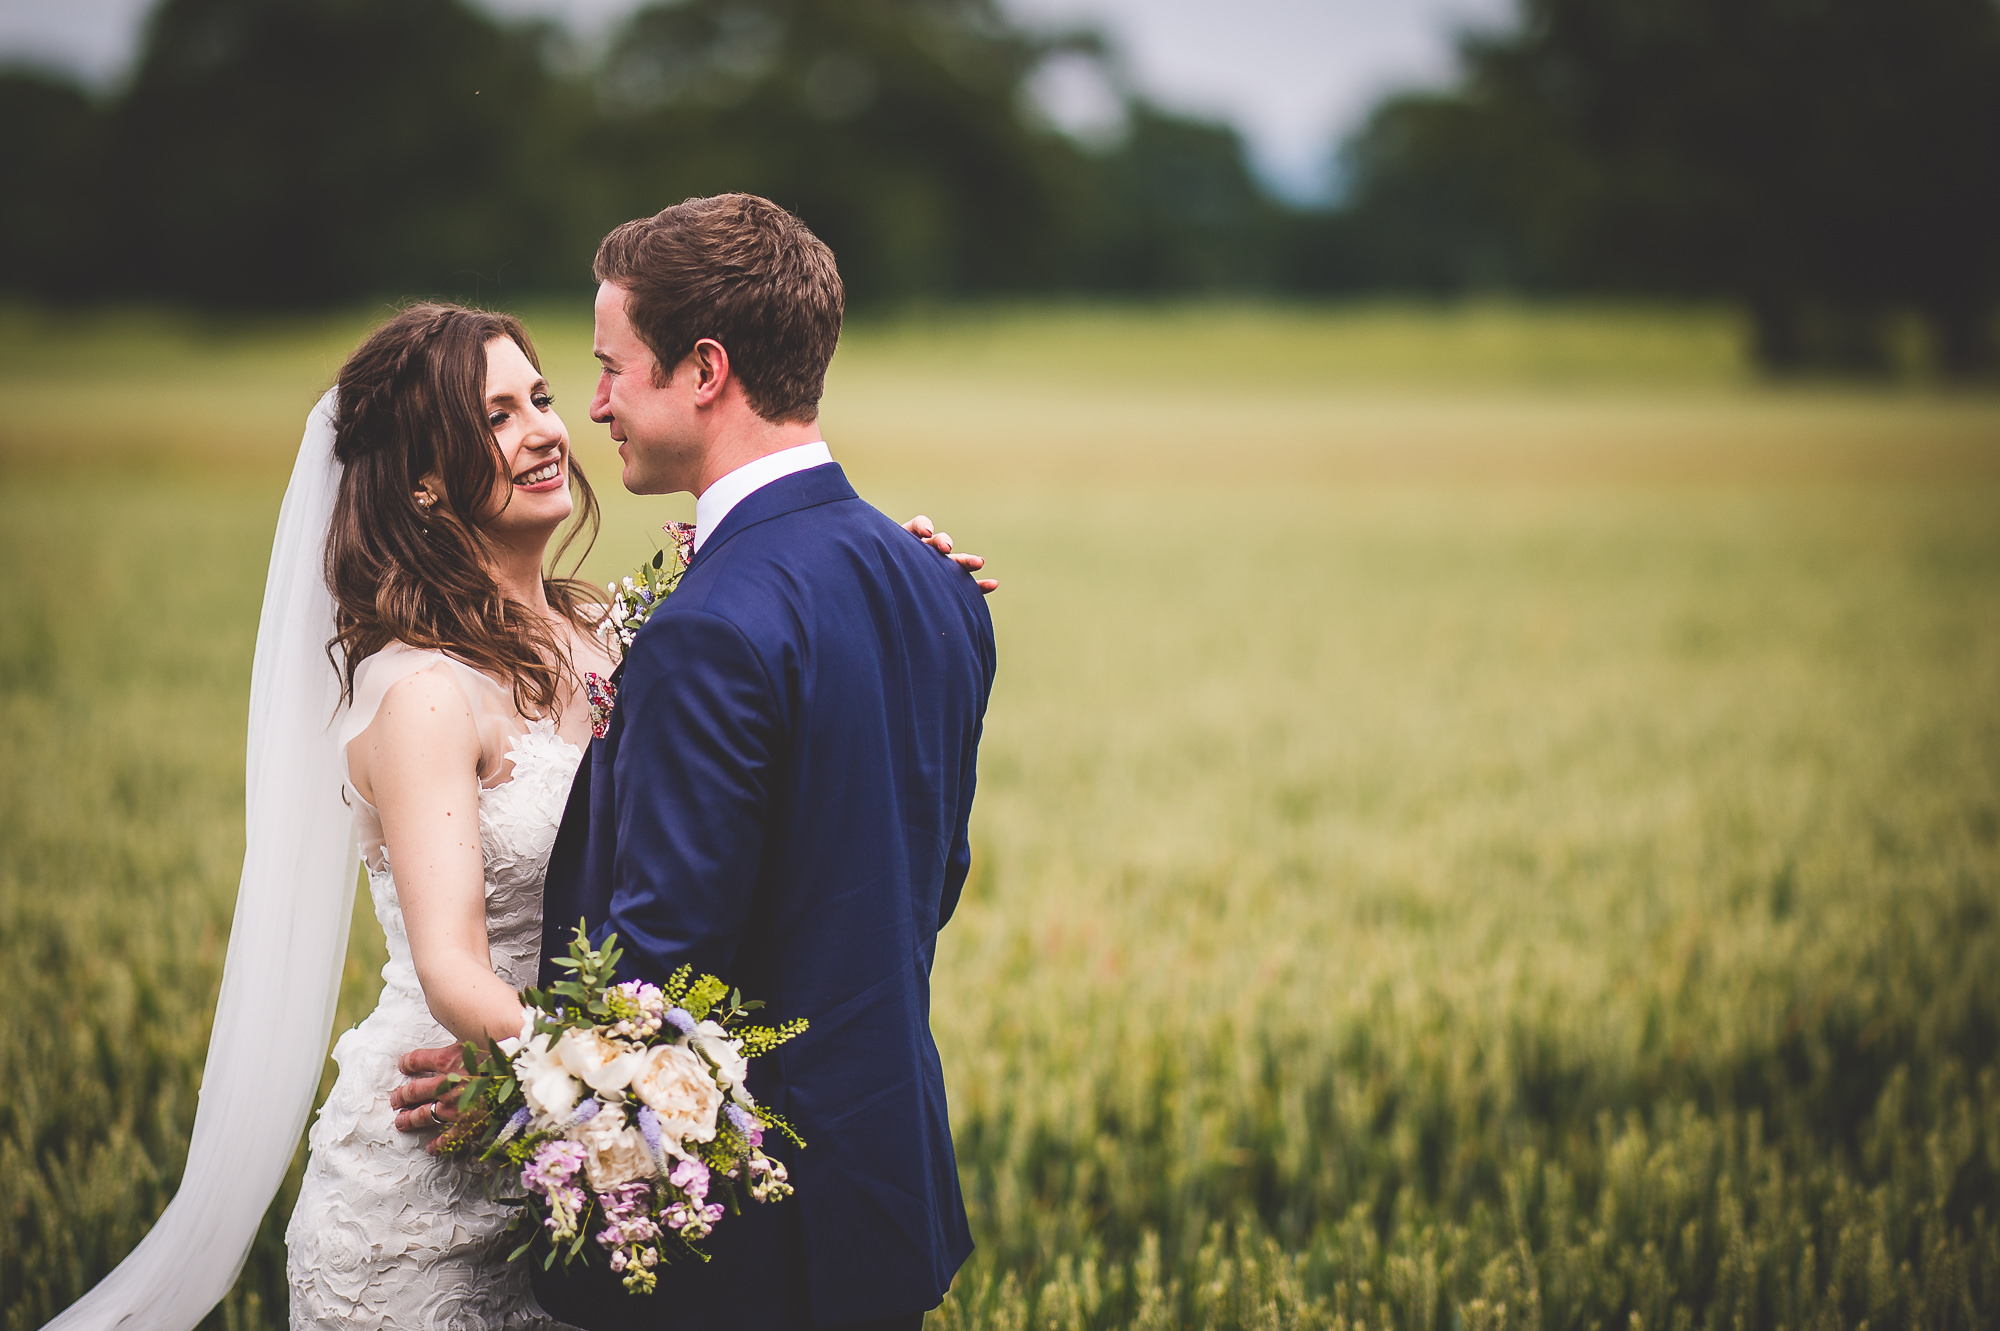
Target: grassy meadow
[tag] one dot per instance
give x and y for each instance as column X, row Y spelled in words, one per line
column 1489, row 818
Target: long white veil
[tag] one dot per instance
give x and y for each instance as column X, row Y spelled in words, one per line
column 282, row 975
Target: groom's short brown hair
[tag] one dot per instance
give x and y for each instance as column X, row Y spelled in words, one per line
column 745, row 272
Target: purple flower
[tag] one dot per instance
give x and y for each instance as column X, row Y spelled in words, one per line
column 585, row 1111
column 627, row 1215
column 550, row 1173
column 625, row 1200
column 741, row 1119
column 554, row 1164
column 680, row 1021
column 693, row 1222
column 649, row 1128
column 514, row 1124
column 691, row 1177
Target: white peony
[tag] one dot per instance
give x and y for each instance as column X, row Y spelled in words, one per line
column 712, row 1042
column 550, row 1091
column 606, row 1066
column 676, row 1083
column 512, row 1044
column 613, row 1152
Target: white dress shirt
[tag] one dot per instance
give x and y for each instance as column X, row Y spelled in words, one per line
column 714, row 503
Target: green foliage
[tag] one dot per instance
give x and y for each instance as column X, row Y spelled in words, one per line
column 592, row 971
column 264, row 139
column 1830, row 166
column 723, row 1153
column 780, row 1124
column 703, row 995
column 762, row 1039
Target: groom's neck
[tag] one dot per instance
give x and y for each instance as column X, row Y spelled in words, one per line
column 746, row 437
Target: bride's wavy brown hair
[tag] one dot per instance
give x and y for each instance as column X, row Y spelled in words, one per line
column 411, row 404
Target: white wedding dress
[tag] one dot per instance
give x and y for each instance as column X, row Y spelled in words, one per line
column 385, row 1236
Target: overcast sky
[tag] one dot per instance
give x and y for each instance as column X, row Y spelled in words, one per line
column 1294, row 75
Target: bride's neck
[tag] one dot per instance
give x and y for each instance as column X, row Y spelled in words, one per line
column 518, row 574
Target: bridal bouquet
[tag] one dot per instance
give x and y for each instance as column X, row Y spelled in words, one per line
column 619, row 1119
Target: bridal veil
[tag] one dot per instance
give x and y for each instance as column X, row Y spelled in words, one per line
column 281, row 978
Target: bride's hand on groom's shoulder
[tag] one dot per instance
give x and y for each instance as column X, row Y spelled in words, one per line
column 415, row 1101
column 926, row 531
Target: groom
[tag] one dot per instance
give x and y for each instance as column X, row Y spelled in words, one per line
column 783, row 793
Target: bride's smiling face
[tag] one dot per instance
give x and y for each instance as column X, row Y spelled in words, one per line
column 531, row 499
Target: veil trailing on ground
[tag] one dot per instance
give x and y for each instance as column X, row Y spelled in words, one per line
column 282, row 975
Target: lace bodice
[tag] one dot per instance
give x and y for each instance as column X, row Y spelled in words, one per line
column 384, row 1236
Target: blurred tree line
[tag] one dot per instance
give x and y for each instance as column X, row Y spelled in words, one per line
column 1831, row 165
column 299, row 152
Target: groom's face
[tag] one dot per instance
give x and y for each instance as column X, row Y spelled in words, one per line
column 651, row 416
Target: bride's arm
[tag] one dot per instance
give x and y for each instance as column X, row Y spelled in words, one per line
column 418, row 764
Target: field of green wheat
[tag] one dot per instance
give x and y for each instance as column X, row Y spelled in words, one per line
column 1489, row 818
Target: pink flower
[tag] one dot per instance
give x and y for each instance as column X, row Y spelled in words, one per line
column 627, row 1215
column 682, row 535
column 550, row 1173
column 603, row 696
column 554, row 1164
column 691, row 1177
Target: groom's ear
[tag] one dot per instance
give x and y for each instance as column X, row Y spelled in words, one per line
column 711, row 368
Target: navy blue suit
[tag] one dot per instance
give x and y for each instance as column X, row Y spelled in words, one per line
column 782, row 799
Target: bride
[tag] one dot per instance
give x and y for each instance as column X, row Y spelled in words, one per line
column 410, row 551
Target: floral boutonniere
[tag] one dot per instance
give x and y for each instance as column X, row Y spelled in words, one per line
column 634, row 598
column 637, row 596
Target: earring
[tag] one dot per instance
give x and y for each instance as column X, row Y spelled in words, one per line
column 425, row 499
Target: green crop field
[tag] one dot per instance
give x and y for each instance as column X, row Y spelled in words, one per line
column 1488, row 818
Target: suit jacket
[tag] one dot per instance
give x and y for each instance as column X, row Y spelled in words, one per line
column 782, row 799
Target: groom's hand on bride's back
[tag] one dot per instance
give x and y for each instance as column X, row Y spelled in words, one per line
column 415, row 1101
column 926, row 531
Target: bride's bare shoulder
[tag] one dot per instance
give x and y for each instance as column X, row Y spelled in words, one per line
column 424, row 724
column 412, row 689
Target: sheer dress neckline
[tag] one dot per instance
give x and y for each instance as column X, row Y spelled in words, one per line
column 505, row 736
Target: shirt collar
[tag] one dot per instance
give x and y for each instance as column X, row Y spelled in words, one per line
column 714, row 503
